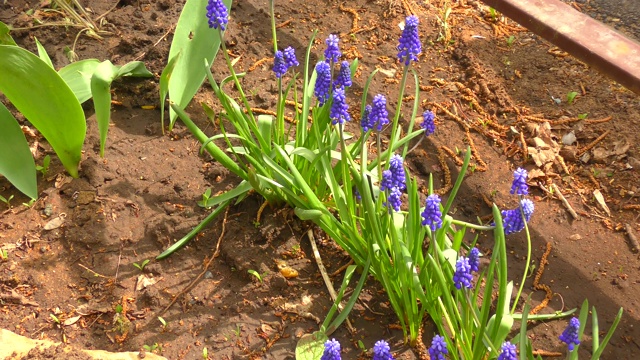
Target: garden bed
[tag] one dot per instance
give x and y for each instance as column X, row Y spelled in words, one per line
column 136, row 201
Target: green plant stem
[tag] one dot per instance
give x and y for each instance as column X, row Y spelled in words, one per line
column 273, row 26
column 526, row 265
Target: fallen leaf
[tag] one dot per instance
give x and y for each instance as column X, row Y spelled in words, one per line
column 72, row 320
column 600, row 200
column 145, row 281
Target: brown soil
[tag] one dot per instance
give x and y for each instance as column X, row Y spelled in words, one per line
column 142, row 196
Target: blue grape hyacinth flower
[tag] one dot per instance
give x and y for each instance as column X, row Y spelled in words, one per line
column 519, row 185
column 344, row 76
column 462, row 276
column 290, row 57
column 331, row 350
column 508, row 352
column 365, row 120
column 474, row 259
column 432, row 216
column 339, row 109
column 382, row 351
column 279, row 64
column 438, row 348
column 379, row 115
column 428, row 122
column 409, row 45
column 323, row 82
column 217, row 14
column 513, row 221
column 332, row 52
column 394, row 176
column 394, row 200
column 570, row 335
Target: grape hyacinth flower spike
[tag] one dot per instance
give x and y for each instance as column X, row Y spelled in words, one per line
column 474, row 259
column 462, row 276
column 432, row 216
column 519, row 185
column 290, row 57
column 331, row 350
column 379, row 115
column 332, row 52
column 428, row 122
column 438, row 348
column 365, row 120
column 382, row 351
column 512, row 219
column 409, row 45
column 217, row 14
column 323, row 81
column 339, row 109
column 570, row 335
column 508, row 352
column 344, row 76
column 279, row 64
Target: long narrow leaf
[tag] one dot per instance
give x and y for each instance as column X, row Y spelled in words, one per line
column 101, row 80
column 40, row 94
column 77, row 75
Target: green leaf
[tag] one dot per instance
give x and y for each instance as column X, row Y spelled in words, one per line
column 101, row 80
column 311, row 346
column 78, row 76
column 5, row 38
column 19, row 168
column 195, row 41
column 165, row 77
column 40, row 94
column 135, row 69
column 42, row 53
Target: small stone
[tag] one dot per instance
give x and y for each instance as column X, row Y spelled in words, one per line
column 575, row 237
column 43, row 249
column 208, row 275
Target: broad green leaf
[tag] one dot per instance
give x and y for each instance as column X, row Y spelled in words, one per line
column 78, row 76
column 311, row 346
column 5, row 38
column 135, row 69
column 101, row 80
column 40, row 94
column 42, row 53
column 19, row 167
column 195, row 41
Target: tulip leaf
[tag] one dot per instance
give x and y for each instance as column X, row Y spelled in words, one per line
column 19, row 168
column 42, row 96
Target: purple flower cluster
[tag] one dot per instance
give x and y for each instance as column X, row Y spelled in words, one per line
column 513, row 220
column 409, row 45
column 217, row 14
column 339, row 109
column 344, row 76
column 382, row 351
column 378, row 117
column 279, row 65
column 519, row 185
column 290, row 57
column 508, row 352
column 571, row 335
column 331, row 350
column 474, row 259
column 462, row 276
column 432, row 216
column 438, row 348
column 323, row 82
column 393, row 179
column 364, row 120
column 332, row 52
column 428, row 122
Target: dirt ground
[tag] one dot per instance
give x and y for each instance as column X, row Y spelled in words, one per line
column 490, row 82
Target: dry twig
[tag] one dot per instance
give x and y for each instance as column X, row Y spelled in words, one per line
column 564, row 201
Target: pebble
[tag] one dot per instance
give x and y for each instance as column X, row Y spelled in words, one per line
column 575, row 237
column 208, row 275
